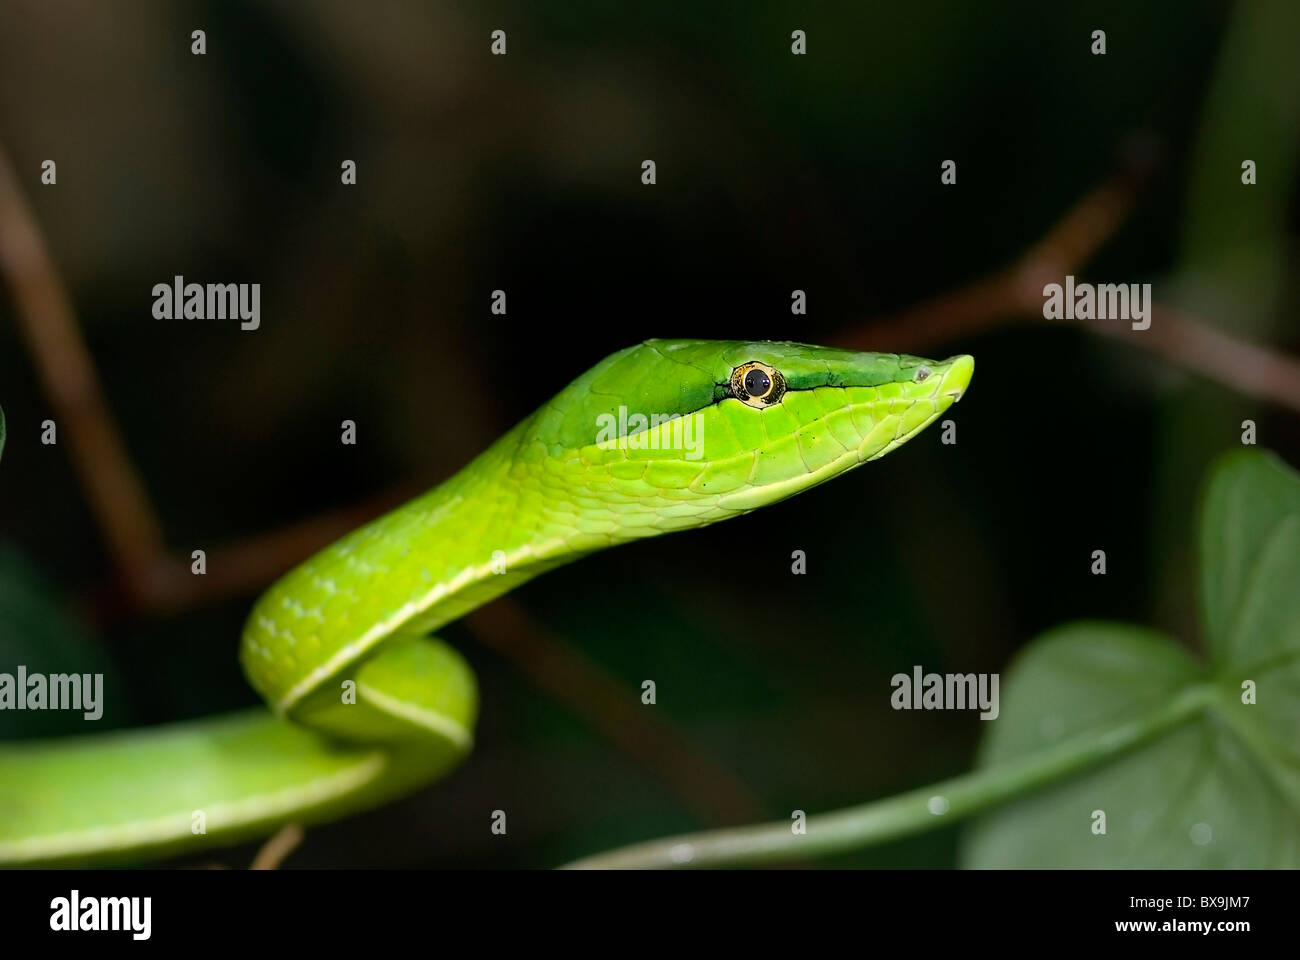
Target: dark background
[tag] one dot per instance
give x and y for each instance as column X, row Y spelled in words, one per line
column 522, row 172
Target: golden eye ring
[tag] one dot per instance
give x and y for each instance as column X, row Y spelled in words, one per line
column 755, row 384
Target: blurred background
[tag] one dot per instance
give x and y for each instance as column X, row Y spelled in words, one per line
column 523, row 173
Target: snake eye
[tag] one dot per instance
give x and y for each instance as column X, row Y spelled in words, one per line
column 757, row 384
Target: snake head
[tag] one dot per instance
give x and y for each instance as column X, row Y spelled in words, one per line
column 663, row 436
column 678, row 433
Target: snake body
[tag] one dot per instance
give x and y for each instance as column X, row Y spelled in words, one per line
column 364, row 704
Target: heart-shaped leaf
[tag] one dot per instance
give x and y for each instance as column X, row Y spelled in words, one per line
column 1220, row 788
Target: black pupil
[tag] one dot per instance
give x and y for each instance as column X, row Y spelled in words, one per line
column 757, row 383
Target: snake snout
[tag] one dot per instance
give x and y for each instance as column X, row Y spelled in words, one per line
column 956, row 378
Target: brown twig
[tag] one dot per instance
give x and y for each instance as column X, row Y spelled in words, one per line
column 275, row 850
column 558, row 668
column 46, row 320
column 1195, row 345
column 247, row 565
column 1016, row 291
column 1015, row 295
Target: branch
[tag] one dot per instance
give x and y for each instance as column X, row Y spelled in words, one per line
column 47, row 322
column 276, row 850
column 1015, row 295
column 711, row 792
column 904, row 814
column 1015, row 292
column 1195, row 345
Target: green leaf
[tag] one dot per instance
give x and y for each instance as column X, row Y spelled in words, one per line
column 1222, row 787
column 1249, row 556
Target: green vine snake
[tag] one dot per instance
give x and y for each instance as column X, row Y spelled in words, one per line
column 364, row 704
